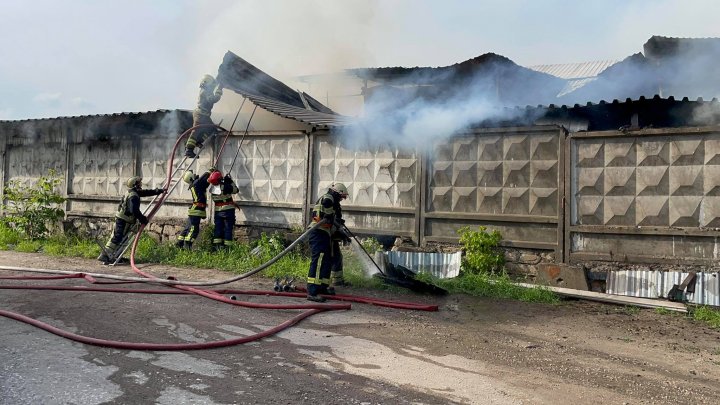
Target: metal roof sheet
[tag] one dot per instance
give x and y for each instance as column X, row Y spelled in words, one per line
column 575, row 70
column 315, row 118
column 266, row 92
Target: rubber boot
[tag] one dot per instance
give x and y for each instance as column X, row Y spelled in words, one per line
column 190, row 152
column 103, row 258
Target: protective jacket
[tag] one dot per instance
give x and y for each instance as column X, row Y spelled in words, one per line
column 198, row 189
column 328, row 208
column 224, row 201
column 207, row 98
column 129, row 208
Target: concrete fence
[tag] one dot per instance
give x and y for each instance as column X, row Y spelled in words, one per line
column 648, row 196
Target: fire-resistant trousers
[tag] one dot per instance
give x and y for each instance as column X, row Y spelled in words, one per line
column 224, row 227
column 320, row 245
column 191, row 231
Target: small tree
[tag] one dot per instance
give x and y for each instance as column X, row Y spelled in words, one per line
column 482, row 254
column 31, row 210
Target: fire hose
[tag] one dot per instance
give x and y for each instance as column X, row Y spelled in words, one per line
column 185, row 287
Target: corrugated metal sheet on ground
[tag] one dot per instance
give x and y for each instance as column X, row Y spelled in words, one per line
column 656, row 284
column 441, row 265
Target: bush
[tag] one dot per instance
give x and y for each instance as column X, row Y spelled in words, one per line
column 482, row 255
column 33, row 210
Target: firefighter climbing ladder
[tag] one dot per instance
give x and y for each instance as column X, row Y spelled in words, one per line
column 116, row 257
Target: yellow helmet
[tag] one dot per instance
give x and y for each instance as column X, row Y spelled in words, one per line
column 189, row 177
column 133, row 181
column 340, row 189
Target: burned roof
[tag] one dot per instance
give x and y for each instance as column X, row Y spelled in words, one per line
column 659, row 47
column 237, row 74
column 628, row 114
column 493, row 75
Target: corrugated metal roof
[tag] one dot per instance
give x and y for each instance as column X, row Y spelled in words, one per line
column 315, row 118
column 266, row 92
column 575, row 70
column 656, row 284
column 121, row 114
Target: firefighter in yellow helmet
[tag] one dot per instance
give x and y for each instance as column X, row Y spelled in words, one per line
column 128, row 213
column 327, row 209
column 210, row 93
column 198, row 186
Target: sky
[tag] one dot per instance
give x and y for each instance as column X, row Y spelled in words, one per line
column 79, row 57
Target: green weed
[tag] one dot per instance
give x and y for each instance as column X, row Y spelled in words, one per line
column 481, row 251
column 663, row 311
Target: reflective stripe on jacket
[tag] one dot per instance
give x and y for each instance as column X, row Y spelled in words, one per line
column 198, row 189
column 324, row 209
column 224, row 201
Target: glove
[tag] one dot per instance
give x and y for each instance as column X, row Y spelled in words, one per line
column 160, row 190
column 213, row 169
column 340, row 221
column 227, row 177
column 143, row 220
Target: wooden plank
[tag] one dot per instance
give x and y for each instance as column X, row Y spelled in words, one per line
column 612, row 299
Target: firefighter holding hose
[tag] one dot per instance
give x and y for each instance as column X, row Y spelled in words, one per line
column 210, row 93
column 327, row 209
column 198, row 186
column 127, row 215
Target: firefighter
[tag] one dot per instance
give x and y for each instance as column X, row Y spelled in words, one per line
column 222, row 190
column 198, row 186
column 210, row 93
column 327, row 209
column 127, row 215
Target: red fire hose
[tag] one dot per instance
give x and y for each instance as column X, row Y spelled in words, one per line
column 217, row 295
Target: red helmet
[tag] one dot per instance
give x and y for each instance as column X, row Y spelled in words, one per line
column 215, row 178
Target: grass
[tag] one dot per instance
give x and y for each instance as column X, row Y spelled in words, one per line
column 631, row 310
column 239, row 259
column 707, row 315
column 492, row 286
column 704, row 314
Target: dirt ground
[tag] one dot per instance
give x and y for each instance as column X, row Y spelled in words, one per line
column 473, row 350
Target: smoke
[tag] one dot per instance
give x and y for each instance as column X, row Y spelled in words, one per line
column 170, row 124
column 446, row 101
column 417, row 123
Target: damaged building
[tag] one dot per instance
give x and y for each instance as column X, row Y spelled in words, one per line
column 574, row 172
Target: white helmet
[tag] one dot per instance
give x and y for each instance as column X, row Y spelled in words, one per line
column 340, row 189
column 208, row 81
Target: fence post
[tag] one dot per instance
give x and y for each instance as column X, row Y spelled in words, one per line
column 421, row 181
column 311, row 139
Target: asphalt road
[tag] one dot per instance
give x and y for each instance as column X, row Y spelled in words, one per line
column 472, row 351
